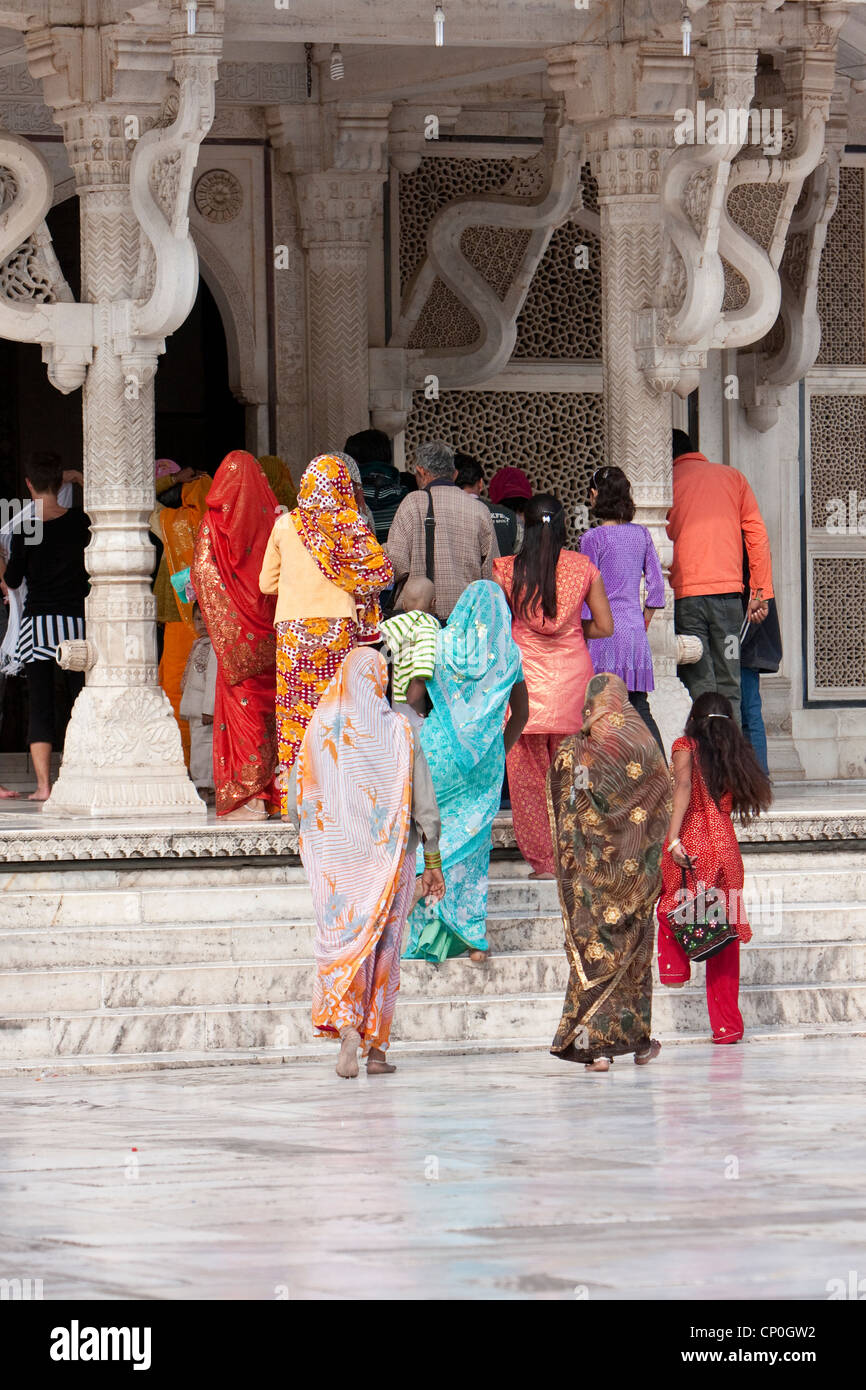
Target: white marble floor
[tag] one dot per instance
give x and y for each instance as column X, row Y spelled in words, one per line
column 715, row 1173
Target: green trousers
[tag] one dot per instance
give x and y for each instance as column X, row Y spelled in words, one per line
column 716, row 619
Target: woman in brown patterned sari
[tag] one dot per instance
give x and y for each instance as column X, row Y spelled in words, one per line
column 609, row 799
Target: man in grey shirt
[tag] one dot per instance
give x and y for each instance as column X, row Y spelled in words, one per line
column 465, row 542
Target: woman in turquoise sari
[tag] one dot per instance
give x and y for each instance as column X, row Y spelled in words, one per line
column 465, row 738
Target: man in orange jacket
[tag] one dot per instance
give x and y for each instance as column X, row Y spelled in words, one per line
column 714, row 512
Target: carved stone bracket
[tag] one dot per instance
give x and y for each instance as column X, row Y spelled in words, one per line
column 673, row 334
column 446, row 261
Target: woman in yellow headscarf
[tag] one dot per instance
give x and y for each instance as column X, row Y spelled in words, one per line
column 276, row 471
column 328, row 570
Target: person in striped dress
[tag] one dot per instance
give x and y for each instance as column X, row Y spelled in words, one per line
column 52, row 563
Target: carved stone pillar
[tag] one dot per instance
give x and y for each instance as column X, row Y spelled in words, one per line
column 337, row 211
column 627, row 160
column 123, row 752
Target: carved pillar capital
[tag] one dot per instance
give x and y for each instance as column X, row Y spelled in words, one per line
column 337, row 208
column 413, row 130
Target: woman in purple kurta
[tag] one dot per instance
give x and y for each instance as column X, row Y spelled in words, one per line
column 624, row 554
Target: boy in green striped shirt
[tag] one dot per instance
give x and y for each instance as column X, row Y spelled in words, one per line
column 410, row 639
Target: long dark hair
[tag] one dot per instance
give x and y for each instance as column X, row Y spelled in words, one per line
column 726, row 757
column 614, row 501
column 534, row 581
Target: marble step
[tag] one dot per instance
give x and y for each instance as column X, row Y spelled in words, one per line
column 203, row 984
column 280, row 1028
column 208, row 875
column 48, row 1068
column 23, row 947
column 55, row 899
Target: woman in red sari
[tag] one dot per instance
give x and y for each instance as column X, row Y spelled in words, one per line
column 240, row 621
column 716, row 775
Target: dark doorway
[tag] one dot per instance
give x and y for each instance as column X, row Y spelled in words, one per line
column 198, row 420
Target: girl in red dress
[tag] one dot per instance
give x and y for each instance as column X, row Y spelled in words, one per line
column 716, row 774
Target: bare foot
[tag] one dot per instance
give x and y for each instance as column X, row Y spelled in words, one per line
column 7, row 795
column 377, row 1065
column 642, row 1058
column 347, row 1062
column 40, row 794
column 600, row 1064
column 478, row 957
column 674, row 984
column 541, row 877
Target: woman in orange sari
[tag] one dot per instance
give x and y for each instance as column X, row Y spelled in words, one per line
column 366, row 799
column 176, row 527
column 239, row 618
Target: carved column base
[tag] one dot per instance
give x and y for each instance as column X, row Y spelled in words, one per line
column 670, row 704
column 123, row 758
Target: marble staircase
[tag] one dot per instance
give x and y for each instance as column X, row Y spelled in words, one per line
column 128, row 966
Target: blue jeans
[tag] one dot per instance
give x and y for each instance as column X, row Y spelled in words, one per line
column 753, row 719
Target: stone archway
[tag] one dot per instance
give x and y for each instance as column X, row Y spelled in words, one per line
column 247, row 369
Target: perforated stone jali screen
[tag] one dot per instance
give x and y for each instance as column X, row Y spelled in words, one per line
column 841, row 290
column 561, row 318
column 837, row 452
column 839, row 632
column 557, row 438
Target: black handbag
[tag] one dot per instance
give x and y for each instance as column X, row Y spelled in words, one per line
column 700, row 922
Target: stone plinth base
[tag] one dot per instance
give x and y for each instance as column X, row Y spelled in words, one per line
column 123, row 757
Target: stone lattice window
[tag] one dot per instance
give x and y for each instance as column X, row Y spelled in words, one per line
column 837, row 452
column 754, row 207
column 557, row 438
column 561, row 317
column 435, row 183
column 839, row 622
column 841, row 291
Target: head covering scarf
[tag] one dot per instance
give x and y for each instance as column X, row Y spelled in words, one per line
column 509, row 482
column 277, row 473
column 355, row 803
column 609, row 798
column 179, row 529
column 163, row 468
column 240, row 514
column 338, row 538
column 611, row 830
column 477, row 663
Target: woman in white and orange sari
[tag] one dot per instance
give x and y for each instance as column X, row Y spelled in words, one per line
column 365, row 798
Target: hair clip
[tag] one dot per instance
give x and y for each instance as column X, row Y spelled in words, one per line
column 717, row 716
column 545, row 516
